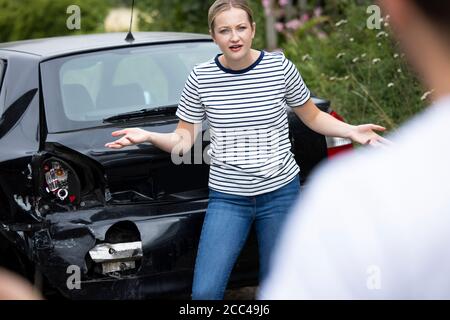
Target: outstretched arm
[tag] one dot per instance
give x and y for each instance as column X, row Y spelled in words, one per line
column 179, row 141
column 325, row 124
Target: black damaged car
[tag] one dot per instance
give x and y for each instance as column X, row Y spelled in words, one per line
column 89, row 222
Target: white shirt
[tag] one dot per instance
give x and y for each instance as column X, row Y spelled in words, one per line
column 250, row 148
column 374, row 224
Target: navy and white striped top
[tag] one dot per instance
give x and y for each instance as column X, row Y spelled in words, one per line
column 250, row 149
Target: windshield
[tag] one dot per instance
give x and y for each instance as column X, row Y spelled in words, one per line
column 80, row 91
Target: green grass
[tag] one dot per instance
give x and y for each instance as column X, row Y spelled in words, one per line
column 361, row 71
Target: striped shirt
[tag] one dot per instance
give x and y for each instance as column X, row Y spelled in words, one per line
column 250, row 151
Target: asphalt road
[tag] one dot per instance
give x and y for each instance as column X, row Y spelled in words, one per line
column 246, row 293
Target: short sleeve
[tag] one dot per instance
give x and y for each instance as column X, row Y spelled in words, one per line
column 190, row 108
column 297, row 93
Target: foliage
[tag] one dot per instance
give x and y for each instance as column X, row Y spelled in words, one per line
column 362, row 71
column 28, row 19
column 189, row 16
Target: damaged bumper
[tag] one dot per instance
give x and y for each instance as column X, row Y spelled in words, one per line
column 111, row 254
column 117, row 257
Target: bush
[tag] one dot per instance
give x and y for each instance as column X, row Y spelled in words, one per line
column 190, row 16
column 360, row 70
column 28, row 19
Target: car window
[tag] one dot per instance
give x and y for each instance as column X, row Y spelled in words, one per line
column 80, row 91
column 143, row 71
column 80, row 82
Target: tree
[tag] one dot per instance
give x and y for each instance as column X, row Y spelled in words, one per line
column 190, row 16
column 28, row 19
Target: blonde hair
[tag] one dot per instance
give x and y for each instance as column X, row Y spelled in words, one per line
column 220, row 6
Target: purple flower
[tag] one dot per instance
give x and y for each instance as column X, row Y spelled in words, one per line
column 318, row 11
column 294, row 24
column 321, row 35
column 279, row 26
column 267, row 7
column 304, row 18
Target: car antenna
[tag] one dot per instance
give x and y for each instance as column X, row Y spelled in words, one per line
column 130, row 37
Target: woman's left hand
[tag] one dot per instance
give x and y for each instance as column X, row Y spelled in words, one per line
column 365, row 134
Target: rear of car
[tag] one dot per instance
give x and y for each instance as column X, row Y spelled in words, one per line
column 125, row 219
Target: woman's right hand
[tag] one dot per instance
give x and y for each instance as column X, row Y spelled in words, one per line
column 131, row 136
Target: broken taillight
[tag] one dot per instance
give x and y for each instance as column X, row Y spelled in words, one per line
column 60, row 181
column 56, row 179
column 337, row 145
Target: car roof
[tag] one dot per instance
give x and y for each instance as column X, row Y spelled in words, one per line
column 56, row 46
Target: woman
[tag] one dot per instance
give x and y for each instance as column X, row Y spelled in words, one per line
column 253, row 174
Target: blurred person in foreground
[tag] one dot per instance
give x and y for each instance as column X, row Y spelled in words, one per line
column 376, row 224
column 13, row 287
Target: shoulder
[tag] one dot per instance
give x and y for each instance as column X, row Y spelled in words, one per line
column 279, row 59
column 376, row 180
column 278, row 56
column 275, row 55
column 205, row 65
column 204, row 69
column 362, row 209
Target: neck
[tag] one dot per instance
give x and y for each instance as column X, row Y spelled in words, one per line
column 240, row 64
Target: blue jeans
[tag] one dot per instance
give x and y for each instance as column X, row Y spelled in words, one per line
column 225, row 229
